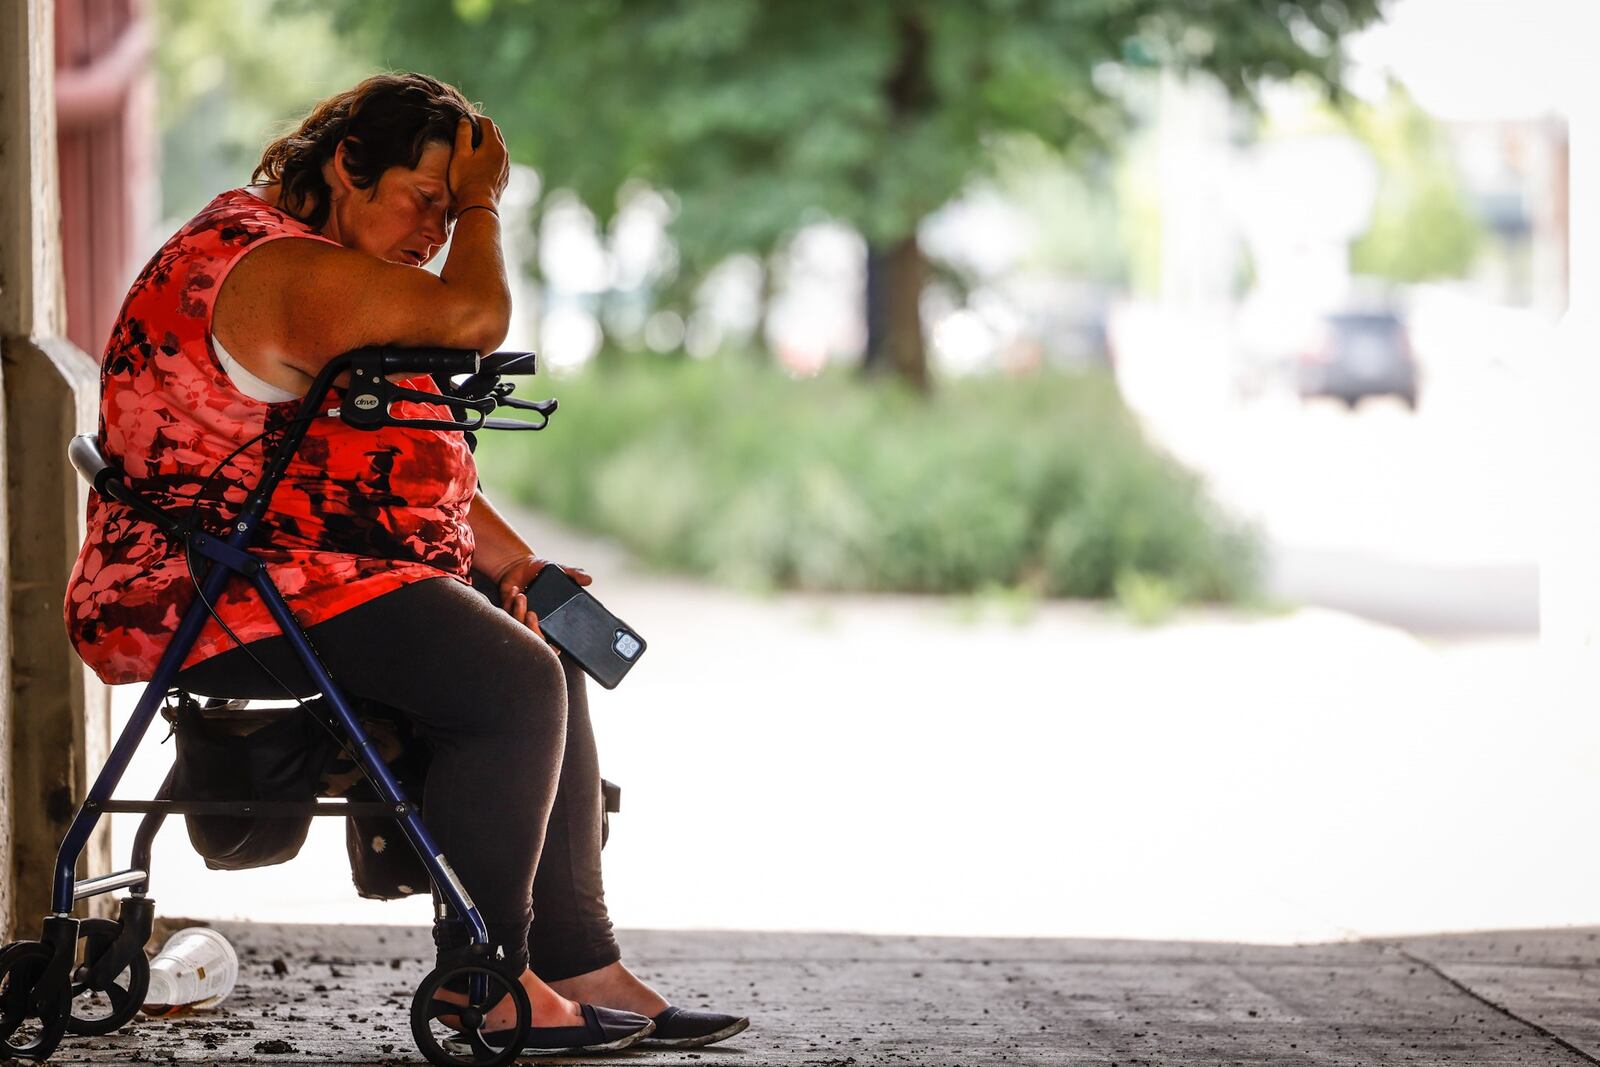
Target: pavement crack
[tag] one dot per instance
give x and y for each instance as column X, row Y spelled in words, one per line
column 1500, row 1008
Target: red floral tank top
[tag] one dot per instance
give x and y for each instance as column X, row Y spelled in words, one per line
column 358, row 513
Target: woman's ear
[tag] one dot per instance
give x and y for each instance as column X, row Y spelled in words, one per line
column 336, row 172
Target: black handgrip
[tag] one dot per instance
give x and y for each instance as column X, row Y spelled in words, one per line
column 491, row 368
column 428, row 361
column 508, row 363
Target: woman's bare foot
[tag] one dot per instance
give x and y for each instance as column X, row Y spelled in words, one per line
column 612, row 986
column 549, row 1007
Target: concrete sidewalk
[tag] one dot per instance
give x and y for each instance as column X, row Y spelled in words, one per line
column 1525, row 997
column 1160, row 811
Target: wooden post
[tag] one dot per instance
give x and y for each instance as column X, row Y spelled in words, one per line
column 55, row 722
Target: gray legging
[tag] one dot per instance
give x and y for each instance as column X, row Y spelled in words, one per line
column 513, row 790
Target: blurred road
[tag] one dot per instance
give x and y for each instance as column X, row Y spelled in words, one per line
column 951, row 766
column 947, row 766
column 1442, row 601
column 1427, row 521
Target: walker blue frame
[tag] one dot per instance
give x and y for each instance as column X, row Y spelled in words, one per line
column 364, row 404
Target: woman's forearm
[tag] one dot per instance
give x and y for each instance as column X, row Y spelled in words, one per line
column 476, row 268
column 498, row 545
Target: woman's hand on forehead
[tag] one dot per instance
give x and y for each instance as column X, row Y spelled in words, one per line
column 478, row 175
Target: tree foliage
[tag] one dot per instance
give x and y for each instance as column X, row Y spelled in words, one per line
column 721, row 468
column 755, row 114
column 760, row 116
column 230, row 75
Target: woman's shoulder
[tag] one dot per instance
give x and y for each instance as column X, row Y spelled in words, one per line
column 190, row 266
column 242, row 217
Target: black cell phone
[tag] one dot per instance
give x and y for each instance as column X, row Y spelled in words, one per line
column 581, row 627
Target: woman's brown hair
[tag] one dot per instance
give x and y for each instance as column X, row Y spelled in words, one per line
column 384, row 122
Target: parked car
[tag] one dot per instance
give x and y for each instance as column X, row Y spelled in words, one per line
column 1359, row 354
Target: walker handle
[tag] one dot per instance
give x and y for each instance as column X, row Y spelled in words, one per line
column 491, row 368
column 424, row 360
column 507, row 363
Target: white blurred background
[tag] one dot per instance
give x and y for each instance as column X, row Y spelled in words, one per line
column 1369, row 332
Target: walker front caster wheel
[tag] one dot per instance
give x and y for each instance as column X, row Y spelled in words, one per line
column 33, row 1017
column 468, row 1043
column 102, row 1003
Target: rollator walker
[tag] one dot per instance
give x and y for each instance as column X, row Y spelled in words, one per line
column 55, row 986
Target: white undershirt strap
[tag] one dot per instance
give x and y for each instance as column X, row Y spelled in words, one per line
column 248, row 383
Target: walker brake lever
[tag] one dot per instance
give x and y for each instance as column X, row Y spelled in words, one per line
column 484, row 404
column 543, row 407
column 367, row 407
column 468, row 424
column 516, row 424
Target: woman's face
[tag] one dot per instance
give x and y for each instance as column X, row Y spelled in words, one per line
column 404, row 218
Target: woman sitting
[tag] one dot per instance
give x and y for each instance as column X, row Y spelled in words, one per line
column 372, row 536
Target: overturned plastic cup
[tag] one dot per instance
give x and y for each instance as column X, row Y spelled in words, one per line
column 196, row 969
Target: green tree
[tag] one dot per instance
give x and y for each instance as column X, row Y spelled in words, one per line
column 229, row 76
column 756, row 115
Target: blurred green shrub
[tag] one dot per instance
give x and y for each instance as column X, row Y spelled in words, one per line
column 725, row 469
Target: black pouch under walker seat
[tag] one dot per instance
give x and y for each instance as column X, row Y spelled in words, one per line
column 236, row 754
column 240, row 757
column 383, row 865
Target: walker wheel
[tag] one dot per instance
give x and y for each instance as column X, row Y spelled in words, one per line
column 99, row 1009
column 470, row 1045
column 32, row 1018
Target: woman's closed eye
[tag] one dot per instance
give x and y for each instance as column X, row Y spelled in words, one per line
column 440, row 207
column 433, row 205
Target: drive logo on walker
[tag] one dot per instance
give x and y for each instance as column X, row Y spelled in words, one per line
column 625, row 645
column 366, row 401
